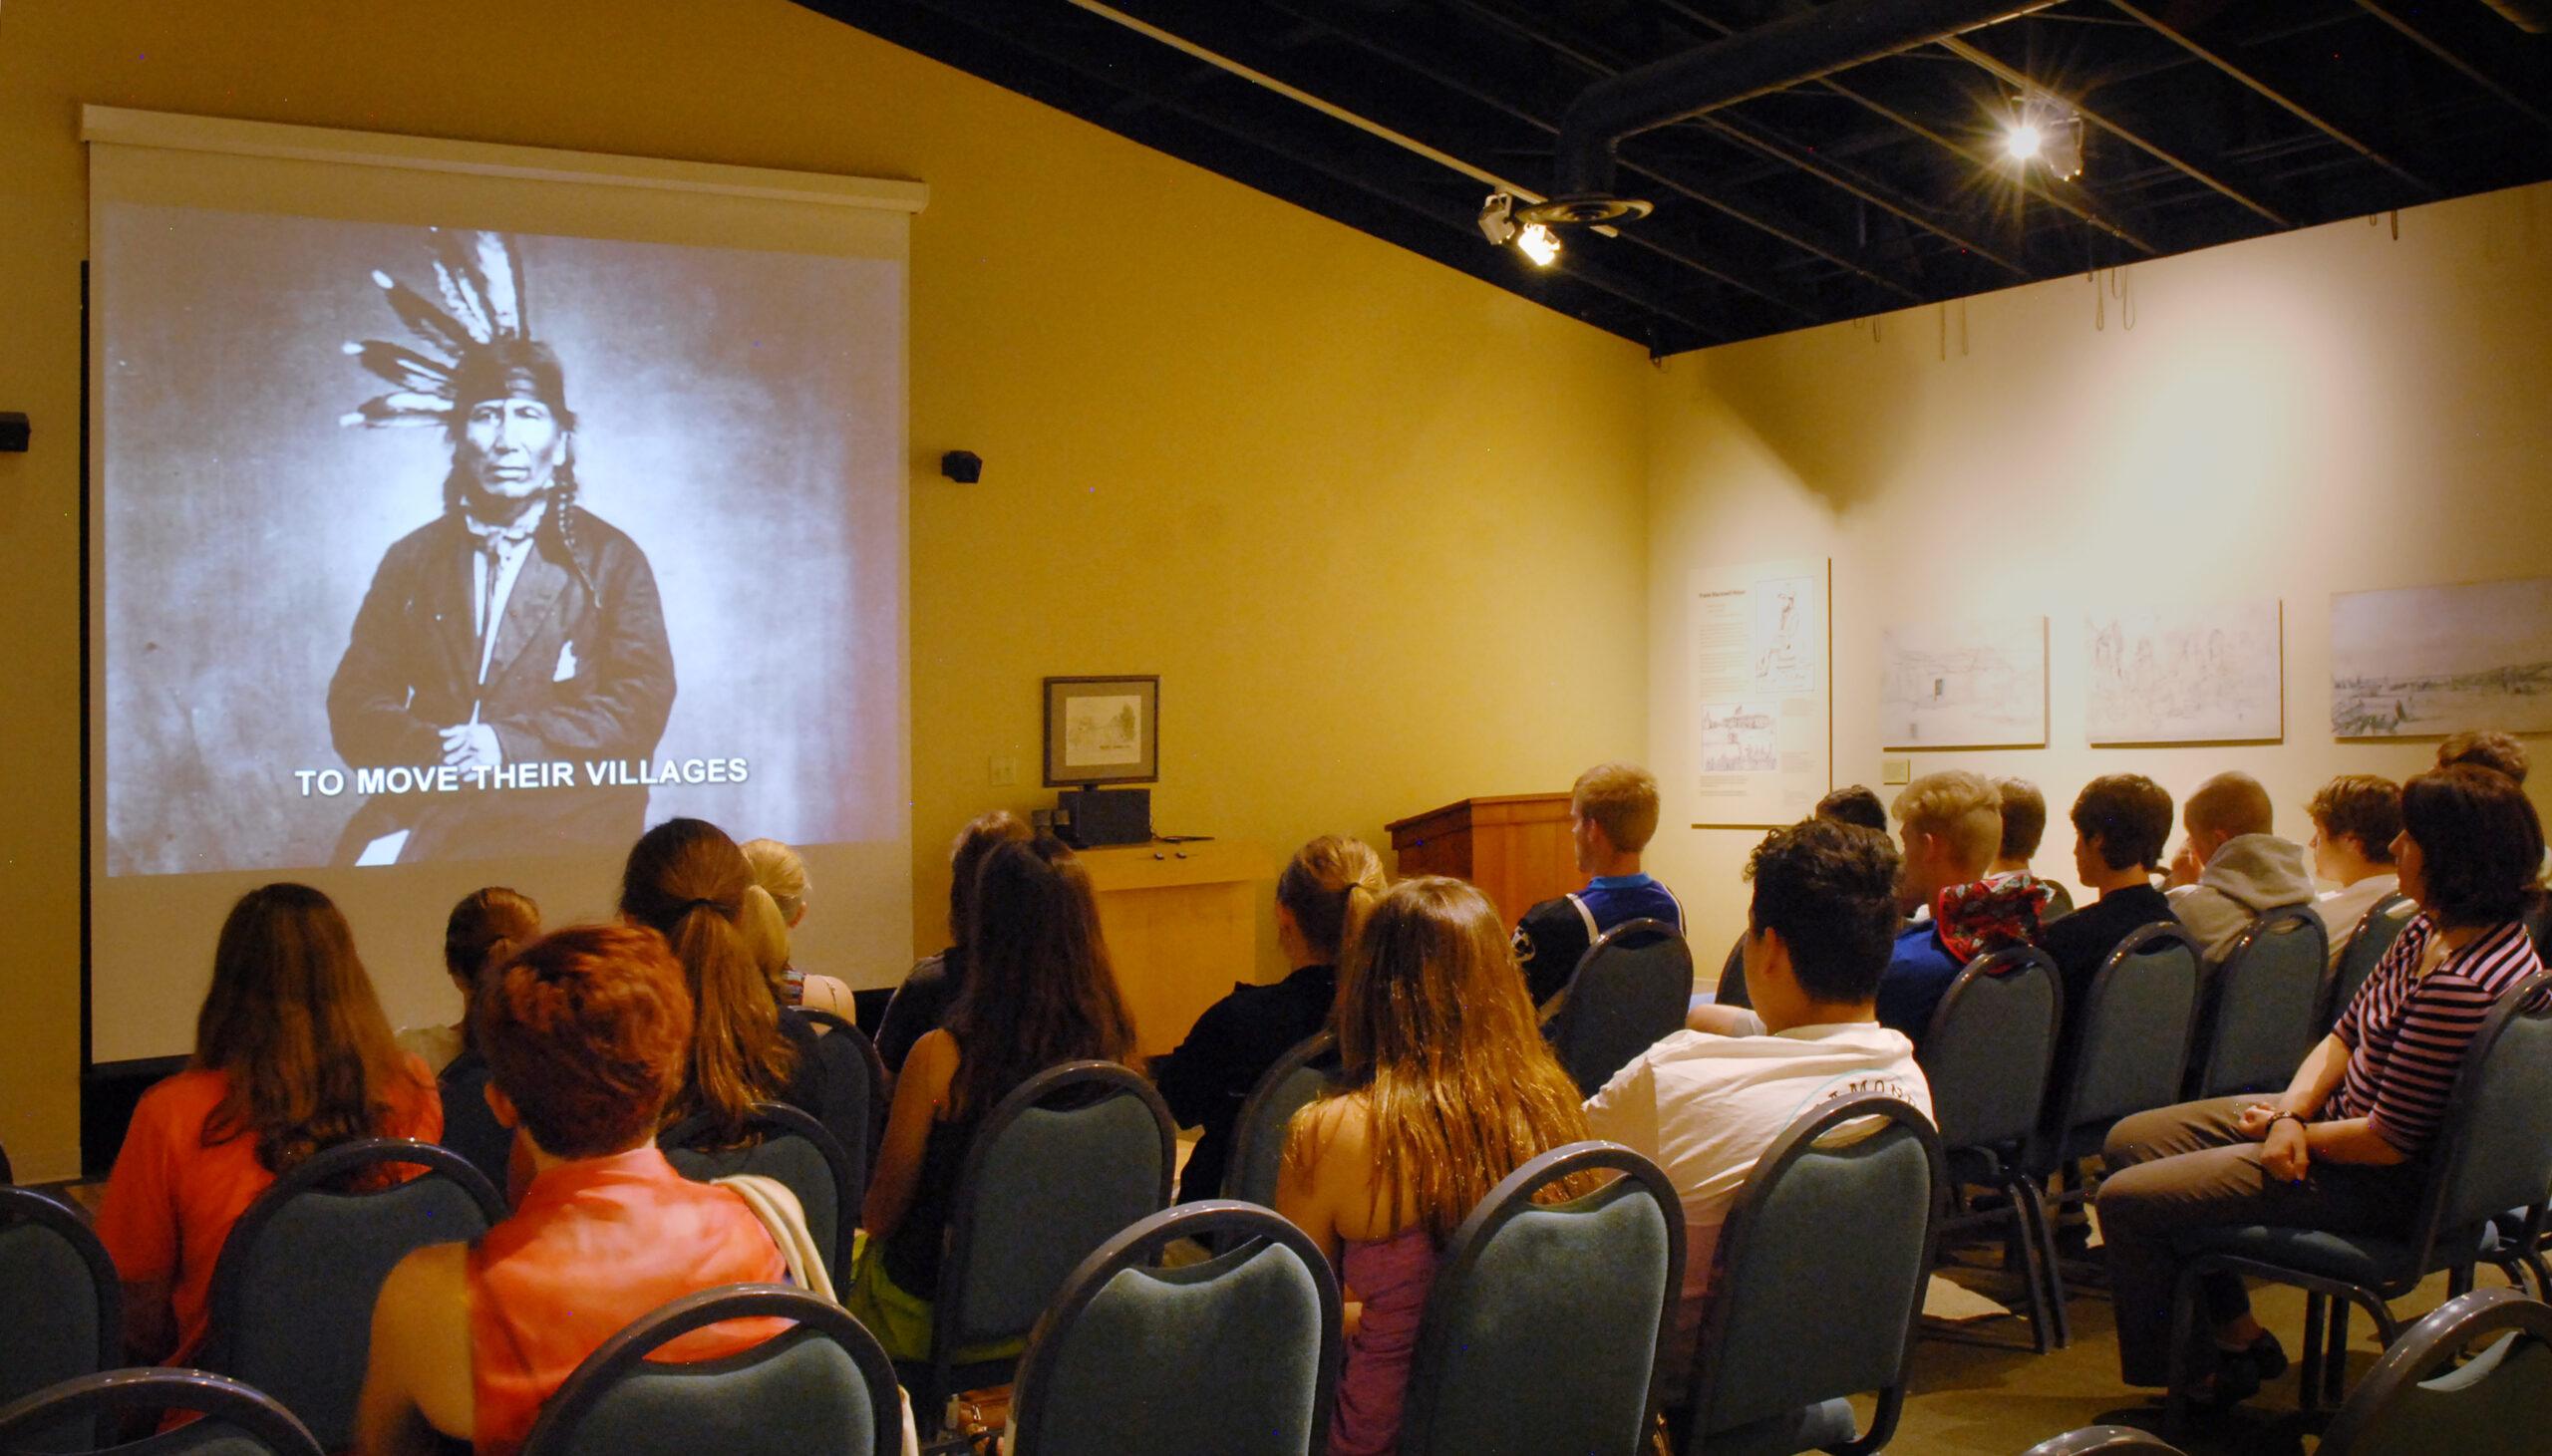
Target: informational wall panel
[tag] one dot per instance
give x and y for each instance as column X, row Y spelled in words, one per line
column 1763, row 687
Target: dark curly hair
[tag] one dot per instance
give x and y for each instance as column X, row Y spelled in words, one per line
column 1829, row 889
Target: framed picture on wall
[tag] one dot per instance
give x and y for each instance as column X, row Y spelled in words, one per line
column 1103, row 731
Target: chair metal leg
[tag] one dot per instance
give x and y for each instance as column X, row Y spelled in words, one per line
column 2048, row 1261
column 2308, row 1380
column 2025, row 1233
column 2458, row 1281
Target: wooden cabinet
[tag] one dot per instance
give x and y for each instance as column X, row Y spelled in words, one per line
column 1516, row 848
column 1181, row 922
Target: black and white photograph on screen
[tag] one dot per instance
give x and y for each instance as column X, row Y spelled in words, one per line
column 431, row 544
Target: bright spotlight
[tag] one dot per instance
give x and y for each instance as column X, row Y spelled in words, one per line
column 2022, row 140
column 1539, row 244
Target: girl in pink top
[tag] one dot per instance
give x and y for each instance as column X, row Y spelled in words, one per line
column 1446, row 1086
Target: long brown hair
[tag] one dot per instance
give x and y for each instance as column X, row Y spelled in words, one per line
column 1436, row 1033
column 484, row 928
column 292, row 1021
column 966, row 862
column 1330, row 886
column 689, row 882
column 1039, row 988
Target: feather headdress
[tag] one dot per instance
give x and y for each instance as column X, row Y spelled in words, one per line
column 480, row 283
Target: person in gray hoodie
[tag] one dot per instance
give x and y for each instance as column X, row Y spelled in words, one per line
column 2231, row 866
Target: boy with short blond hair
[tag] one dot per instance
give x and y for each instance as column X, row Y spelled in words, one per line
column 1950, row 825
column 1612, row 814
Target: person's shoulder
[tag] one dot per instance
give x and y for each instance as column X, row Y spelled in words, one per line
column 186, row 1096
column 1919, row 944
column 600, row 532
column 437, row 534
column 1330, row 1125
column 1558, row 910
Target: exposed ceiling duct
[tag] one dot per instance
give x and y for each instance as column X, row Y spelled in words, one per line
column 1750, row 63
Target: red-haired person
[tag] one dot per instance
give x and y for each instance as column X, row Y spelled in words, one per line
column 586, row 1033
column 292, row 1055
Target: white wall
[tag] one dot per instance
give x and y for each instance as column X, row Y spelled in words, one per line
column 2327, row 411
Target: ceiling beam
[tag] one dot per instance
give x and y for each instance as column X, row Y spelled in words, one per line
column 2070, row 198
column 1399, row 53
column 1094, row 69
column 1677, row 251
column 2215, row 51
column 1786, row 231
column 2470, row 65
column 2011, row 75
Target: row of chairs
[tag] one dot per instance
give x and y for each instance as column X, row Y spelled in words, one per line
column 2475, row 1376
column 1544, row 1331
column 2158, row 1027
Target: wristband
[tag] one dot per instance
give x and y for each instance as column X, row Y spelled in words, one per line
column 2296, row 1117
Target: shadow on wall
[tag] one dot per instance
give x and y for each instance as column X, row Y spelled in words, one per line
column 1842, row 433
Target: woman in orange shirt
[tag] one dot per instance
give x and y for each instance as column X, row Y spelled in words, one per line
column 585, row 1033
column 292, row 1055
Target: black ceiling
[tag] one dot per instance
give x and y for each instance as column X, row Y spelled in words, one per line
column 1874, row 187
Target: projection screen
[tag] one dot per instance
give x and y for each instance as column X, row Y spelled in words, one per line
column 458, row 511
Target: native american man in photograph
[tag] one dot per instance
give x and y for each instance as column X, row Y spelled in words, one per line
column 517, row 629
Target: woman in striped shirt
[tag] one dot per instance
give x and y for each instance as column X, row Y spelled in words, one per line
column 2342, row 1148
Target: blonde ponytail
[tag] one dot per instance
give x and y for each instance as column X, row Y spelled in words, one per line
column 1330, row 888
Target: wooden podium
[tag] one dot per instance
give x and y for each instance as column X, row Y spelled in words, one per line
column 1515, row 847
column 1181, row 922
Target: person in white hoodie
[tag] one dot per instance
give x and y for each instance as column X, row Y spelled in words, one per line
column 2354, row 819
column 2231, row 866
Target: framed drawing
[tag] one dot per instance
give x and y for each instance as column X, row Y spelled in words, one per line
column 2187, row 673
column 1978, row 684
column 1102, row 731
column 2432, row 660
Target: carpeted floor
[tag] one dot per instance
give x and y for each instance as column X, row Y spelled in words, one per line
column 1999, row 1399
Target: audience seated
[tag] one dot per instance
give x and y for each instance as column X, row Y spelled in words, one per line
column 932, row 986
column 2121, row 821
column 1612, row 813
column 484, row 928
column 1038, row 992
column 1446, row 1088
column 1853, row 804
column 585, row 1033
column 292, row 1055
column 782, row 873
column 2024, row 826
column 2341, row 1148
column 1322, row 899
column 1951, row 824
column 1706, row 1107
column 2356, row 817
column 2231, row 866
column 686, row 881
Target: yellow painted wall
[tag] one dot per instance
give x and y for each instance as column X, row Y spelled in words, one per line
column 1300, row 473
column 2326, row 410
